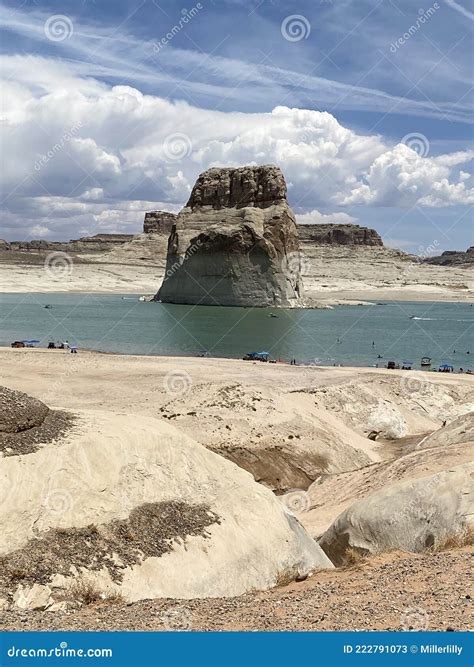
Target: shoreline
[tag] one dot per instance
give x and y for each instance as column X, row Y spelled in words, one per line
column 336, row 298
column 167, row 358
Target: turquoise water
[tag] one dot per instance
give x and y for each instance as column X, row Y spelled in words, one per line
column 111, row 323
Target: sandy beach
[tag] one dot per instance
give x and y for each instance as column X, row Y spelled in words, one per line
column 299, row 431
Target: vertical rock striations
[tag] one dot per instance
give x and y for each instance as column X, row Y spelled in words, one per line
column 235, row 243
column 158, row 222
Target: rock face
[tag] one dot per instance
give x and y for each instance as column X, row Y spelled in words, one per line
column 333, row 234
column 412, row 515
column 453, row 258
column 235, row 243
column 158, row 222
column 139, row 508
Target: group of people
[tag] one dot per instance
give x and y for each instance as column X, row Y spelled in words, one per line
column 62, row 346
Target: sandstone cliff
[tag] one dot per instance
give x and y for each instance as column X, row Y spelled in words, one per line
column 235, row 243
column 453, row 258
column 333, row 234
column 158, row 222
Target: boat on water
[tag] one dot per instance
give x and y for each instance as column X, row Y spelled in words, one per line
column 425, row 361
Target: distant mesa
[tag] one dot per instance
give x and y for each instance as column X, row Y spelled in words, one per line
column 338, row 234
column 235, row 243
column 453, row 258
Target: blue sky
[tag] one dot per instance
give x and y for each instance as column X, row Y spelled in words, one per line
column 364, row 104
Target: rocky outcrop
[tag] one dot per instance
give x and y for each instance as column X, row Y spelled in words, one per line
column 20, row 412
column 136, row 507
column 158, row 222
column 235, row 243
column 97, row 243
column 453, row 258
column 333, row 234
column 412, row 515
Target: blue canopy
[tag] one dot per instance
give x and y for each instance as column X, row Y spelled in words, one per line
column 31, row 341
column 407, row 363
column 263, row 354
column 446, row 366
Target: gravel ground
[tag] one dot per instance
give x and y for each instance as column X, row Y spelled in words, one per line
column 26, row 423
column 390, row 592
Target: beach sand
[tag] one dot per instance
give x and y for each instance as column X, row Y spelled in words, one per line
column 233, row 406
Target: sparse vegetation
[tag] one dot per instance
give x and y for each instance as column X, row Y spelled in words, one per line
column 87, row 591
column 461, row 539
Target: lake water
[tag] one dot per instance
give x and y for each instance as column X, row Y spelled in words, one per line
column 115, row 323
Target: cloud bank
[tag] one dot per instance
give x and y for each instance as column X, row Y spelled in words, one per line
column 84, row 155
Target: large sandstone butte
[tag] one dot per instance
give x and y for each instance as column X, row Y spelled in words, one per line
column 235, row 243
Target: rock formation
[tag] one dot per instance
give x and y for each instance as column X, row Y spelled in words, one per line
column 137, row 508
column 453, row 258
column 235, row 243
column 96, row 243
column 412, row 515
column 158, row 222
column 333, row 234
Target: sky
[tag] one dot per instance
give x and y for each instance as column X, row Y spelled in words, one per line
column 111, row 108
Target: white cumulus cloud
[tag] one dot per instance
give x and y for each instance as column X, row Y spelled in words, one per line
column 88, row 149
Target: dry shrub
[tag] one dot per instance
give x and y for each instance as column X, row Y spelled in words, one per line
column 464, row 538
column 87, row 591
column 353, row 557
